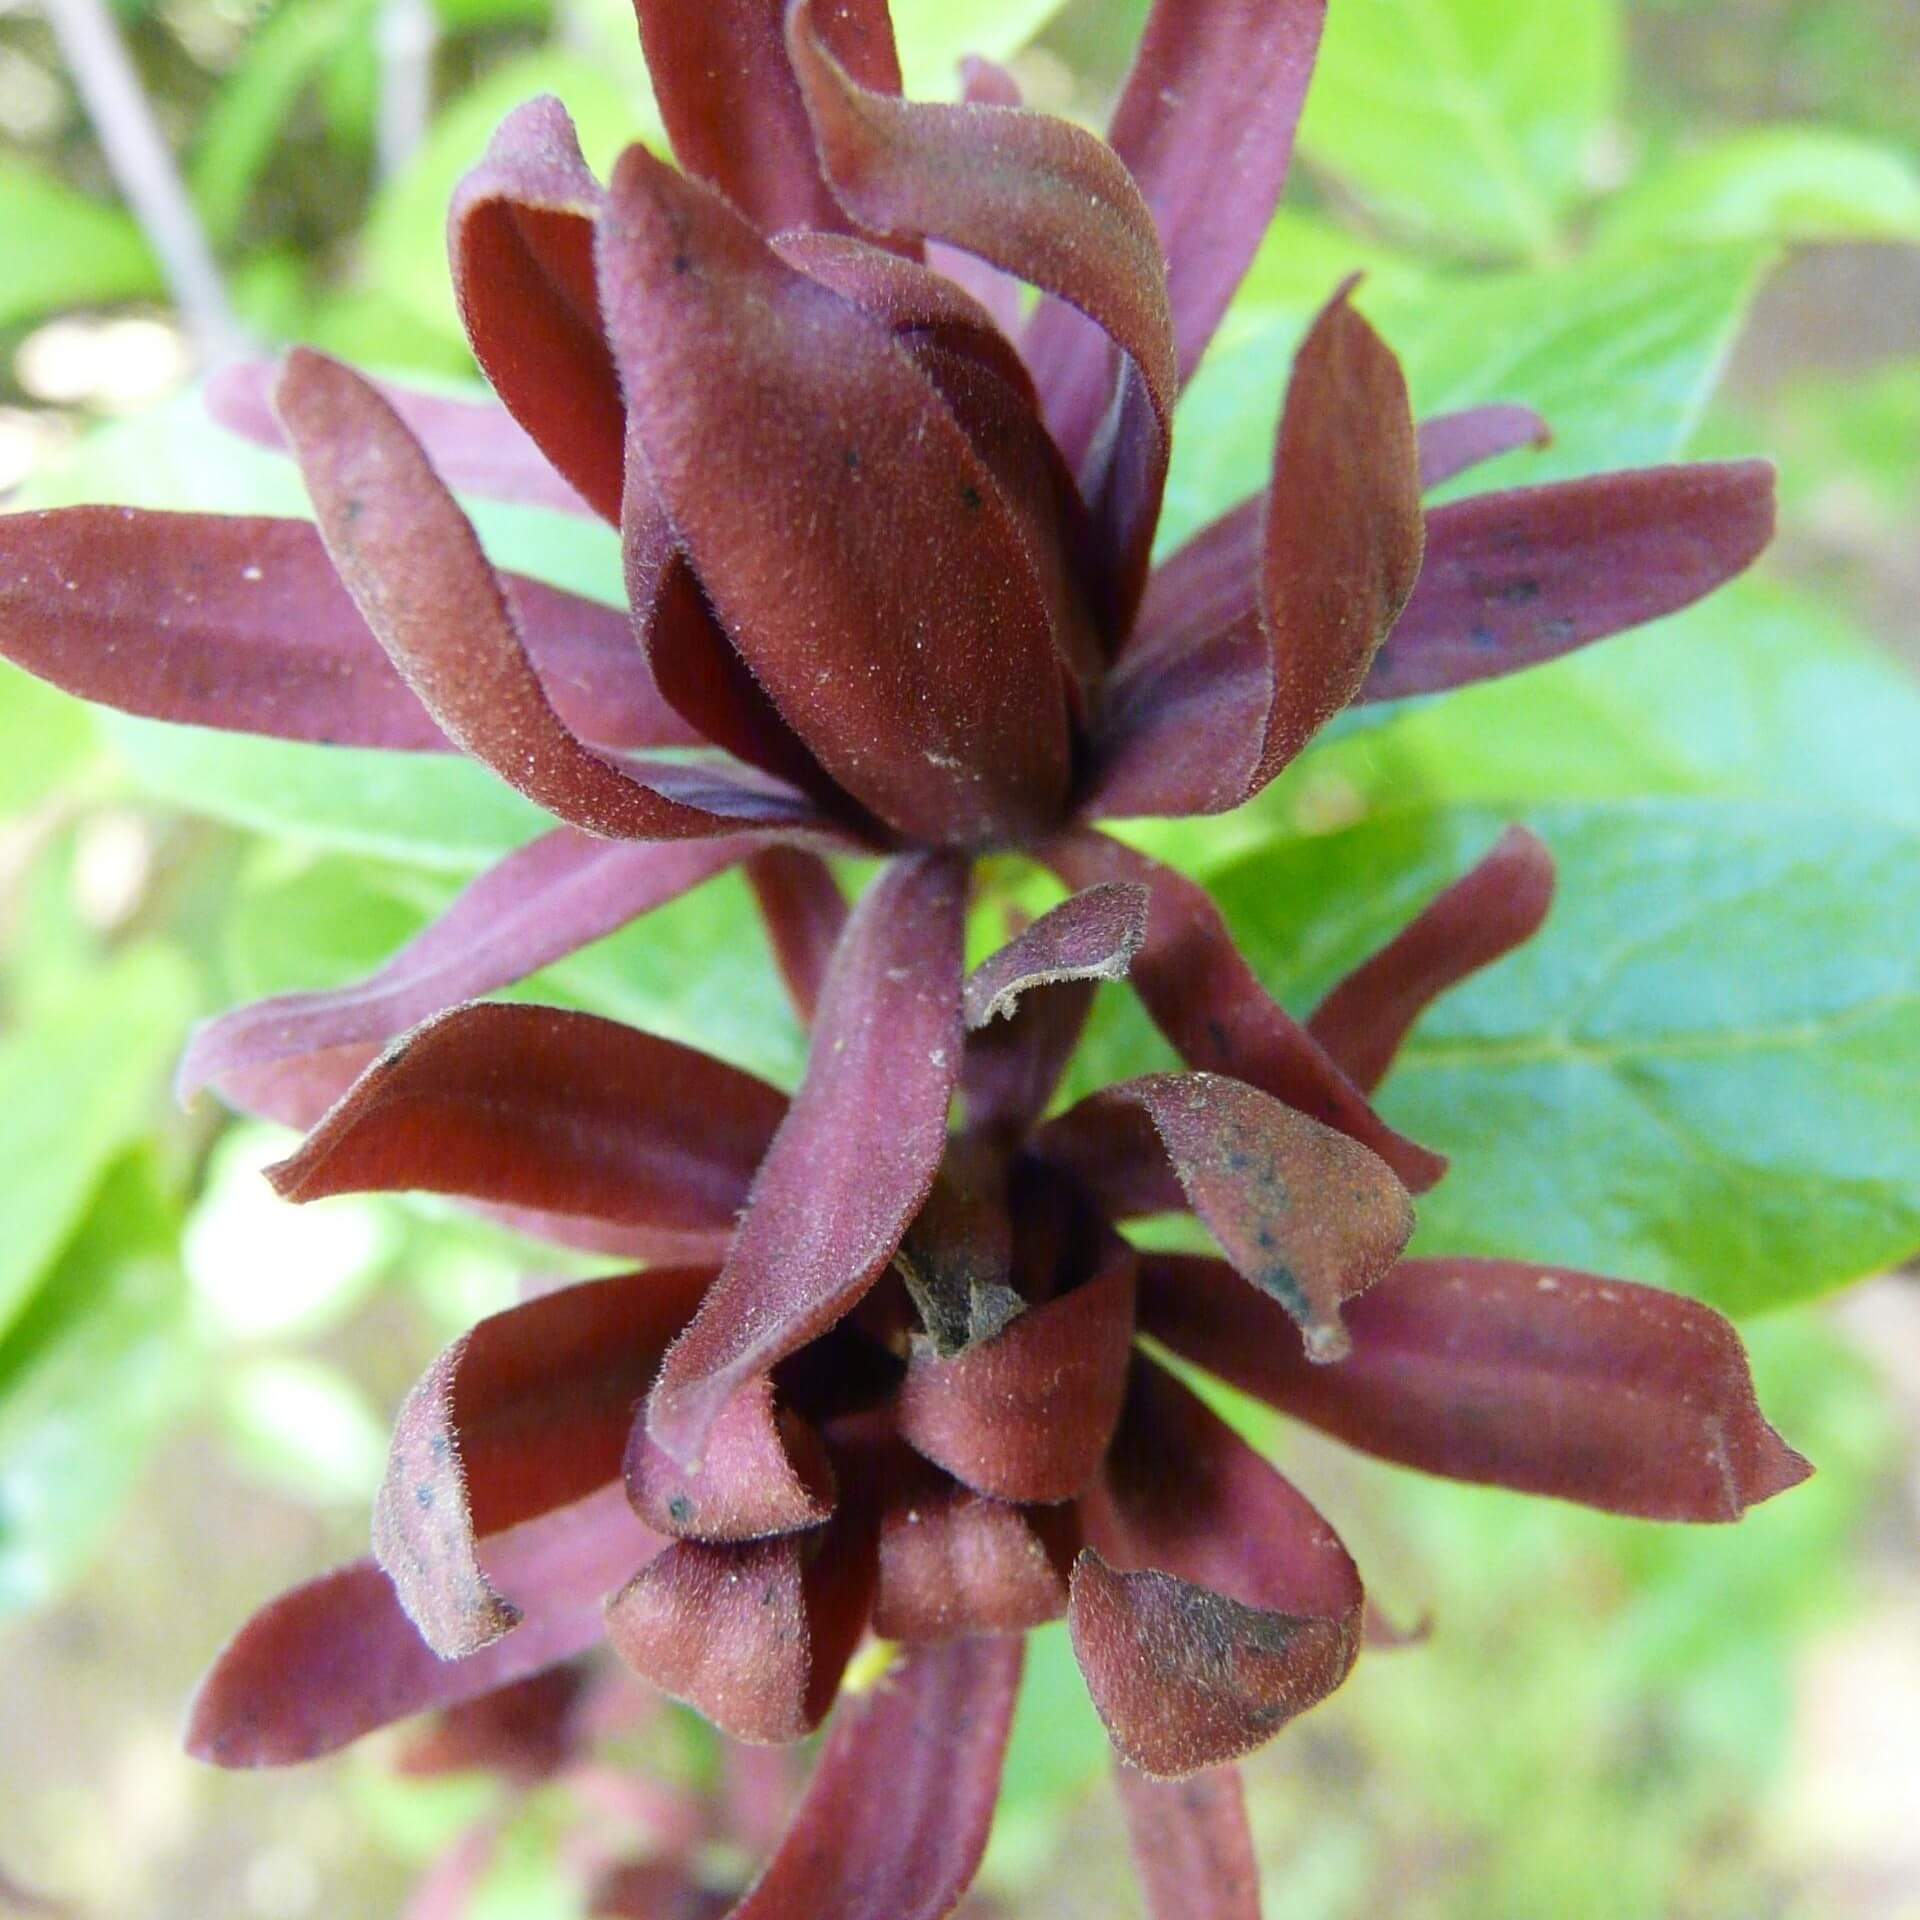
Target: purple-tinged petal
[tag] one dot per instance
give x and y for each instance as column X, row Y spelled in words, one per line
column 1485, row 914
column 755, row 1636
column 527, row 1730
column 241, row 623
column 337, row 1658
column 1092, row 936
column 551, row 897
column 766, row 1472
column 1206, row 124
column 655, row 1890
column 805, row 914
column 1308, row 1215
column 1013, row 1068
column 1451, row 443
column 526, row 1412
column 859, row 553
column 1192, row 1849
column 983, row 83
column 1617, row 1396
column 895, row 1818
column 957, row 1258
column 1027, row 1415
column 476, row 448
column 1213, row 1603
column 854, row 1158
column 1514, row 579
column 1210, row 1004
column 1200, row 719
column 541, row 1107
column 732, row 106
column 520, row 237
column 1042, row 199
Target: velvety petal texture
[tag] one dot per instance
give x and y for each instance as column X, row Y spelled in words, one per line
column 852, row 1161
column 805, row 914
column 527, row 1412
column 1192, row 1850
column 1213, row 1604
column 858, row 551
column 545, row 1108
column 1548, row 1381
column 1092, row 936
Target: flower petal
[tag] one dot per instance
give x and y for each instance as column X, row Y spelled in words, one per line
column 859, row 553
column 1092, row 936
column 526, row 1412
column 1042, row 199
column 765, row 1472
column 1027, row 1415
column 476, row 447
column 241, row 623
column 1513, row 579
column 553, row 896
column 1484, row 915
column 895, row 1818
column 526, row 1730
column 1013, row 1067
column 520, row 237
column 732, row 106
column 1213, row 1604
column 1192, row 1849
column 805, row 914
column 854, row 1158
column 1308, row 1215
column 983, row 83
column 1622, row 1397
column 1201, row 718
column 1209, row 1003
column 541, row 1107
column 1206, row 124
column 409, row 557
column 1451, row 443
column 336, row 1658
column 956, row 1260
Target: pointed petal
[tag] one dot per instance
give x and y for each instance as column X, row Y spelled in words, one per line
column 857, row 550
column 409, row 557
column 1192, row 1849
column 852, row 1161
column 805, row 914
column 241, row 623
column 525, row 1413
column 1514, row 579
column 1048, row 202
column 1092, row 936
column 732, row 106
column 895, row 1818
column 1309, row 1216
column 765, row 1472
column 1485, row 914
column 1198, row 721
column 1451, row 443
column 1209, row 1003
column 553, row 896
column 754, row 1636
column 955, row 1562
column 526, row 1730
column 520, row 237
column 336, row 1658
column 1213, row 1603
column 1618, row 1396
column 540, row 1107
column 1206, row 124
column 476, row 448
column 1027, row 1415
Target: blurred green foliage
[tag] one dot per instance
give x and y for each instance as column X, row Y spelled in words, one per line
column 1700, row 1075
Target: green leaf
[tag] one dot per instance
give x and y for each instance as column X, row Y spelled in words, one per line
column 1470, row 122
column 43, row 734
column 1621, row 357
column 77, row 1083
column 89, row 1377
column 66, row 250
column 305, row 1428
column 1698, row 1075
column 1773, row 183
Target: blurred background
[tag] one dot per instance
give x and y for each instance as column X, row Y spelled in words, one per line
column 1609, row 1719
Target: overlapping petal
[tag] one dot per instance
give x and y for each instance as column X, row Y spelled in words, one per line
column 805, row 914
column 1092, row 936
column 1619, row 1396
